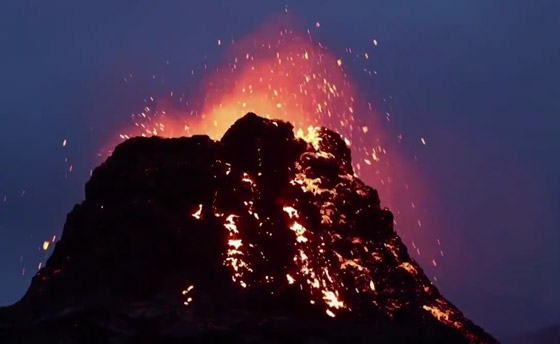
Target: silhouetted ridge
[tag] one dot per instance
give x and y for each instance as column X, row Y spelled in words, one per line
column 258, row 237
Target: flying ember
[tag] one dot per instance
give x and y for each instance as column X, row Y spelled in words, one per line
column 280, row 73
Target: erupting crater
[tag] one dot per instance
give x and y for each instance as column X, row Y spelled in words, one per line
column 263, row 236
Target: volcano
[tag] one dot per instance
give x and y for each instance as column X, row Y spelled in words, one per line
column 261, row 237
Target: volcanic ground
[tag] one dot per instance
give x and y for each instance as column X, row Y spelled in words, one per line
column 260, row 237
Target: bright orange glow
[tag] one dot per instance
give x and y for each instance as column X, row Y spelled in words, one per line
column 290, row 279
column 284, row 74
column 197, row 214
column 276, row 73
column 186, row 292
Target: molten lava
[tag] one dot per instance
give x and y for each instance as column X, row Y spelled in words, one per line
column 282, row 74
column 261, row 225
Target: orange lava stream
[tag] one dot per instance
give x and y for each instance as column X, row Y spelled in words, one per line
column 283, row 74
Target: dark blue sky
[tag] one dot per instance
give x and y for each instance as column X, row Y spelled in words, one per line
column 479, row 79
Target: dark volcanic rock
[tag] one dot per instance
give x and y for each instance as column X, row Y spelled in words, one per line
column 259, row 237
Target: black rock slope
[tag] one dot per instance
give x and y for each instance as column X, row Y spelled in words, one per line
column 259, row 237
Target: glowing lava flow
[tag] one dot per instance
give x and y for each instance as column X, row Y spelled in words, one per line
column 282, row 74
column 333, row 241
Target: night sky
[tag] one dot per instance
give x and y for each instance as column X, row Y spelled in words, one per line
column 478, row 79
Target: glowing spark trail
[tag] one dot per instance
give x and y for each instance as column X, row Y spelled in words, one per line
column 282, row 74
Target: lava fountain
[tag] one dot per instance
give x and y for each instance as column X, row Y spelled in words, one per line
column 284, row 74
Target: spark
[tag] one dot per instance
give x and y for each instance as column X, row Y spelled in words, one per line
column 290, row 279
column 189, row 299
column 291, row 77
column 198, row 213
column 186, row 291
column 291, row 211
column 299, row 230
column 230, row 224
column 235, row 243
column 332, row 299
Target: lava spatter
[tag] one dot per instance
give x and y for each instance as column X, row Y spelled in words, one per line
column 285, row 73
column 263, row 232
